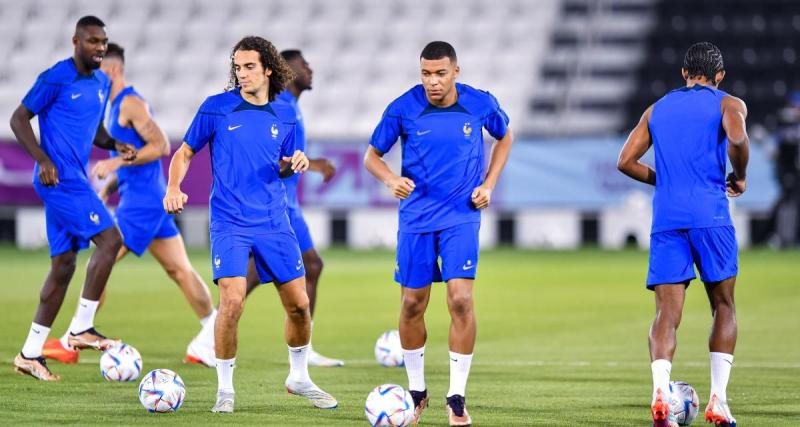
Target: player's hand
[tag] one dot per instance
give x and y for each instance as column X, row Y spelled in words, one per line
column 174, row 200
column 481, row 196
column 735, row 186
column 401, row 186
column 126, row 151
column 106, row 167
column 299, row 161
column 327, row 169
column 48, row 174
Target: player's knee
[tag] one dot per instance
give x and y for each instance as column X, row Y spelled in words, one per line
column 412, row 306
column 313, row 266
column 63, row 269
column 179, row 274
column 299, row 309
column 460, row 304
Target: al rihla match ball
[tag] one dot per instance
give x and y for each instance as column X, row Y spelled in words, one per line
column 162, row 390
column 121, row 363
column 685, row 403
column 389, row 405
column 388, row 351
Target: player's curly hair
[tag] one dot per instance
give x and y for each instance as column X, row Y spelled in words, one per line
column 270, row 59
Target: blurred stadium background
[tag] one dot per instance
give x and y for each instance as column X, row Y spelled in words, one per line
column 573, row 75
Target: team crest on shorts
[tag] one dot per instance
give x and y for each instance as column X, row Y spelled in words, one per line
column 95, row 218
column 217, row 262
column 101, row 95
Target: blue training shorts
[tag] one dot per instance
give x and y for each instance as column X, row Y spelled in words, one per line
column 141, row 221
column 674, row 253
column 300, row 228
column 275, row 252
column 74, row 214
column 418, row 255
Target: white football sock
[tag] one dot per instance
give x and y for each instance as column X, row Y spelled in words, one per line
column 35, row 341
column 206, row 335
column 721, row 364
column 225, row 375
column 84, row 316
column 65, row 338
column 415, row 368
column 298, row 363
column 661, row 369
column 459, row 371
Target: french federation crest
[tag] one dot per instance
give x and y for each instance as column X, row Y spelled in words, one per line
column 467, row 130
column 274, row 131
column 101, row 95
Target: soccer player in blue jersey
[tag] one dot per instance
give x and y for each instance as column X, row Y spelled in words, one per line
column 140, row 217
column 442, row 188
column 311, row 259
column 691, row 129
column 70, row 99
column 252, row 143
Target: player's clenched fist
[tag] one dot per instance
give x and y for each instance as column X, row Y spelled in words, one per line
column 174, row 200
column 401, row 186
column 299, row 161
column 481, row 197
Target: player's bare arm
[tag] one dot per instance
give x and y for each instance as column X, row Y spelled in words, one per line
column 482, row 194
column 21, row 126
column 103, row 140
column 324, row 167
column 401, row 186
column 175, row 199
column 637, row 144
column 734, row 113
column 134, row 113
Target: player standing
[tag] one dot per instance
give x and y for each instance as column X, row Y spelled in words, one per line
column 140, row 217
column 252, row 142
column 70, row 99
column 311, row 259
column 691, row 129
column 442, row 190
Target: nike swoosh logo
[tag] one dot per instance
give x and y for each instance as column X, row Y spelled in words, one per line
column 467, row 267
column 76, row 95
column 234, row 127
column 35, row 330
column 295, row 351
column 298, row 267
column 454, row 360
column 424, row 132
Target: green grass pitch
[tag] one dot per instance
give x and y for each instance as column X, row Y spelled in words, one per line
column 561, row 342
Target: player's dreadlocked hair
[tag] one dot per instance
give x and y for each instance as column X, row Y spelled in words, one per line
column 270, row 59
column 703, row 60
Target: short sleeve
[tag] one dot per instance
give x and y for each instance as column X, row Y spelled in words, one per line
column 387, row 131
column 201, row 131
column 496, row 121
column 289, row 144
column 41, row 95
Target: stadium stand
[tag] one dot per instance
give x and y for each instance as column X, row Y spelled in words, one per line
column 363, row 52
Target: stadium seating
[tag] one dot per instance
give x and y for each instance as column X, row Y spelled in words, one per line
column 363, row 52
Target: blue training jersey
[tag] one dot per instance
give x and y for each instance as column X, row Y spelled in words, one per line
column 143, row 182
column 300, row 144
column 70, row 107
column 690, row 150
column 443, row 154
column 246, row 142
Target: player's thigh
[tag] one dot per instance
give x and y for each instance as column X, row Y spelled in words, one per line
column 170, row 252
column 230, row 253
column 416, row 261
column 670, row 298
column 671, row 259
column 715, row 252
column 458, row 247
column 277, row 257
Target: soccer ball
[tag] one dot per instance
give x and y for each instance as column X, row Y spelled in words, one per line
column 685, row 402
column 389, row 405
column 121, row 363
column 388, row 351
column 162, row 390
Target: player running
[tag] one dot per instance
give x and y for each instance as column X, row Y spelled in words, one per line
column 691, row 129
column 252, row 141
column 70, row 100
column 442, row 190
column 311, row 259
column 140, row 217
